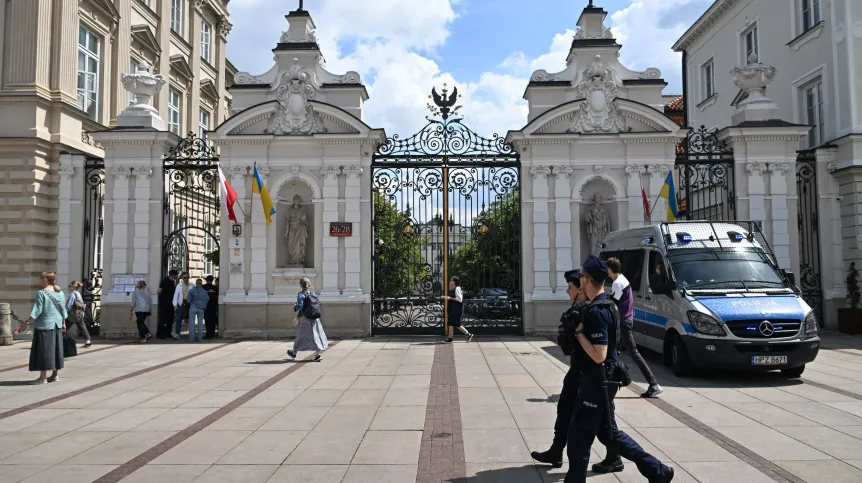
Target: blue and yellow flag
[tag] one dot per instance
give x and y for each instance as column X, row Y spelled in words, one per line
column 258, row 187
column 668, row 192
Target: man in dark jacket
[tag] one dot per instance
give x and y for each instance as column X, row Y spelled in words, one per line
column 166, row 305
column 211, row 312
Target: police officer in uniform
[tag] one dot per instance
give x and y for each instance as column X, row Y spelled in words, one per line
column 594, row 407
column 566, row 404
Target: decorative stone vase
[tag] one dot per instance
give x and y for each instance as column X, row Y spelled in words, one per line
column 144, row 86
column 753, row 79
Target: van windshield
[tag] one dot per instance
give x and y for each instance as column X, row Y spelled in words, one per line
column 723, row 269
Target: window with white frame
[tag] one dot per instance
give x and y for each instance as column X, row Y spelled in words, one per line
column 203, row 123
column 209, row 246
column 177, row 16
column 89, row 51
column 813, row 104
column 810, row 13
column 750, row 44
column 707, row 75
column 206, row 40
column 175, row 111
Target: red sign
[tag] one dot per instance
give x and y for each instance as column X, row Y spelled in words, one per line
column 340, row 229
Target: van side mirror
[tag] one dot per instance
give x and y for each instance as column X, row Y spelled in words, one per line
column 790, row 276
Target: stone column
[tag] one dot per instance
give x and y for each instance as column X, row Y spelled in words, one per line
column 224, row 28
column 235, row 245
column 829, row 220
column 633, row 194
column 352, row 244
column 122, row 46
column 258, row 267
column 65, row 76
column 142, row 229
column 330, row 263
column 756, row 191
column 163, row 33
column 563, row 217
column 782, row 197
column 64, row 216
column 194, row 97
column 120, row 262
column 541, row 234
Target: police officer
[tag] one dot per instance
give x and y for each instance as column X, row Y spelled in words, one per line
column 566, row 404
column 594, row 407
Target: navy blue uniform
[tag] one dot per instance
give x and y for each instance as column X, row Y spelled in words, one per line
column 590, row 418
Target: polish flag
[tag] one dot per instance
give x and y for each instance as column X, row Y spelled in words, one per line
column 228, row 195
column 646, row 203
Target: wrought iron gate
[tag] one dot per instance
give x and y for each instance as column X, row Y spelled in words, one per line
column 809, row 232
column 446, row 202
column 93, row 236
column 191, row 208
column 705, row 178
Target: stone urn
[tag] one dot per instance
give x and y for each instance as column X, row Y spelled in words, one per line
column 753, row 79
column 144, row 86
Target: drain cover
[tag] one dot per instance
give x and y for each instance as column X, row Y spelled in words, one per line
column 441, row 435
column 526, row 353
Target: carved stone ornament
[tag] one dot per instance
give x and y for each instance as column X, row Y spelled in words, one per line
column 540, row 171
column 780, row 167
column 598, row 168
column 224, row 27
column 353, row 170
column 658, row 170
column 329, row 170
column 294, row 168
column 563, row 171
column 66, row 170
column 583, row 34
column 143, row 171
column 122, row 172
column 753, row 79
column 755, row 168
column 295, row 115
column 287, row 37
column 238, row 171
column 598, row 113
column 635, row 170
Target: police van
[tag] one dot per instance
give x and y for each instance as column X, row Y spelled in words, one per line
column 711, row 295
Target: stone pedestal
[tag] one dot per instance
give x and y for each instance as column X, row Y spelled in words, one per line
column 286, row 282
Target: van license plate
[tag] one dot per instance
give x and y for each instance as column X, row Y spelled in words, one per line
column 768, row 360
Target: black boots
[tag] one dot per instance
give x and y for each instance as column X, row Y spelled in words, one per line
column 612, row 465
column 551, row 457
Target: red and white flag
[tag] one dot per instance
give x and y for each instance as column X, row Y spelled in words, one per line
column 228, row 195
column 646, row 204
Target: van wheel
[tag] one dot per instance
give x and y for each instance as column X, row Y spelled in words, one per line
column 794, row 372
column 680, row 363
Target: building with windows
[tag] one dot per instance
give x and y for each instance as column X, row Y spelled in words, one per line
column 815, row 47
column 61, row 63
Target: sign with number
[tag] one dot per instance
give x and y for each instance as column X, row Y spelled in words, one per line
column 341, row 229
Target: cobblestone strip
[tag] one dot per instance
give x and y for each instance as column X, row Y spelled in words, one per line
column 760, row 463
column 82, row 353
column 833, row 389
column 146, row 457
column 37, row 405
column 441, row 455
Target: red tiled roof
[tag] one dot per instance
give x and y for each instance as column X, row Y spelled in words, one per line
column 677, row 104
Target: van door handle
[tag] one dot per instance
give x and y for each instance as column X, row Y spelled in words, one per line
column 647, row 298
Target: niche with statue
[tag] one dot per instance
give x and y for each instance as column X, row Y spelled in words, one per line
column 598, row 214
column 295, row 226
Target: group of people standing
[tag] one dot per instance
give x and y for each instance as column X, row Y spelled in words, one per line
column 196, row 304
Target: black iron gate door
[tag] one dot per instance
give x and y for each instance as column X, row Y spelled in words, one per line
column 446, row 203
column 704, row 175
column 809, row 232
column 92, row 242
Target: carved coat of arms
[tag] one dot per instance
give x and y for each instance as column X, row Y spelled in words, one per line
column 598, row 112
column 295, row 115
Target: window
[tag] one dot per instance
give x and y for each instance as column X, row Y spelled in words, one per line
column 206, row 40
column 203, row 124
column 749, row 45
column 632, row 265
column 89, row 49
column 208, row 248
column 717, row 269
column 707, row 74
column 657, row 269
column 175, row 111
column 810, row 14
column 177, row 16
column 814, row 114
column 133, row 69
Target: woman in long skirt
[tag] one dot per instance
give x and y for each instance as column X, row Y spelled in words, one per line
column 309, row 332
column 48, row 314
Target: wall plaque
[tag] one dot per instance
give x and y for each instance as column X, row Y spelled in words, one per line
column 340, row 229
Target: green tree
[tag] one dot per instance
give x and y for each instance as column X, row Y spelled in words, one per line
column 399, row 268
column 492, row 256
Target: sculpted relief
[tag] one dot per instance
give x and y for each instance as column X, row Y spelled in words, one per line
column 598, row 113
column 295, row 115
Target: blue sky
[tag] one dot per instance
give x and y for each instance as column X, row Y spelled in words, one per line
column 488, row 48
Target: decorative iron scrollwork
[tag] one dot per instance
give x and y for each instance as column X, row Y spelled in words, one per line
column 810, row 280
column 192, row 150
column 92, row 241
column 705, row 177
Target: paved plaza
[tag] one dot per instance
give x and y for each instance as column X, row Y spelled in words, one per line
column 403, row 410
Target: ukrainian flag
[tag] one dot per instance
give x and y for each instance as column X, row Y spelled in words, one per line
column 668, row 192
column 258, row 187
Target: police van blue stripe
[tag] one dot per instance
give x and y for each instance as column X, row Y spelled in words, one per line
column 658, row 320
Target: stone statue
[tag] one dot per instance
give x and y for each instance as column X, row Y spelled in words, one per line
column 598, row 223
column 296, row 232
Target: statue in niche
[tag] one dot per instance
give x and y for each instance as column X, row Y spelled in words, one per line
column 598, row 223
column 296, row 232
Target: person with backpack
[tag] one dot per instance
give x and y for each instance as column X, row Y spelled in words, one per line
column 75, row 307
column 309, row 331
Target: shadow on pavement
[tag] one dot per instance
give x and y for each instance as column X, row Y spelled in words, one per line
column 526, row 474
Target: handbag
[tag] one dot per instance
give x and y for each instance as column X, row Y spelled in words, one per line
column 70, row 348
column 185, row 309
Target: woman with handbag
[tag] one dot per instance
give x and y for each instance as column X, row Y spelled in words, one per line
column 48, row 314
column 309, row 330
column 75, row 307
column 141, row 306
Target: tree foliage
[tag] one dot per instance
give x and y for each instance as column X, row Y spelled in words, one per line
column 399, row 268
column 492, row 256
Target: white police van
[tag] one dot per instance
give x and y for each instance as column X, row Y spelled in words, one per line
column 711, row 295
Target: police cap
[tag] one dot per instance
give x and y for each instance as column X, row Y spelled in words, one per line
column 596, row 268
column 573, row 276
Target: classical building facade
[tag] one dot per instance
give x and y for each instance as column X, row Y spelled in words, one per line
column 61, row 63
column 815, row 47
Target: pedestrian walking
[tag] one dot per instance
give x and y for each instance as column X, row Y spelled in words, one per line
column 197, row 299
column 75, row 307
column 623, row 296
column 141, row 306
column 47, row 316
column 167, row 314
column 181, row 304
column 309, row 330
column 211, row 313
column 597, row 337
column 456, row 309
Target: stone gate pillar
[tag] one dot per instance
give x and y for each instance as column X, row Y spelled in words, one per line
column 563, row 223
column 541, row 233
